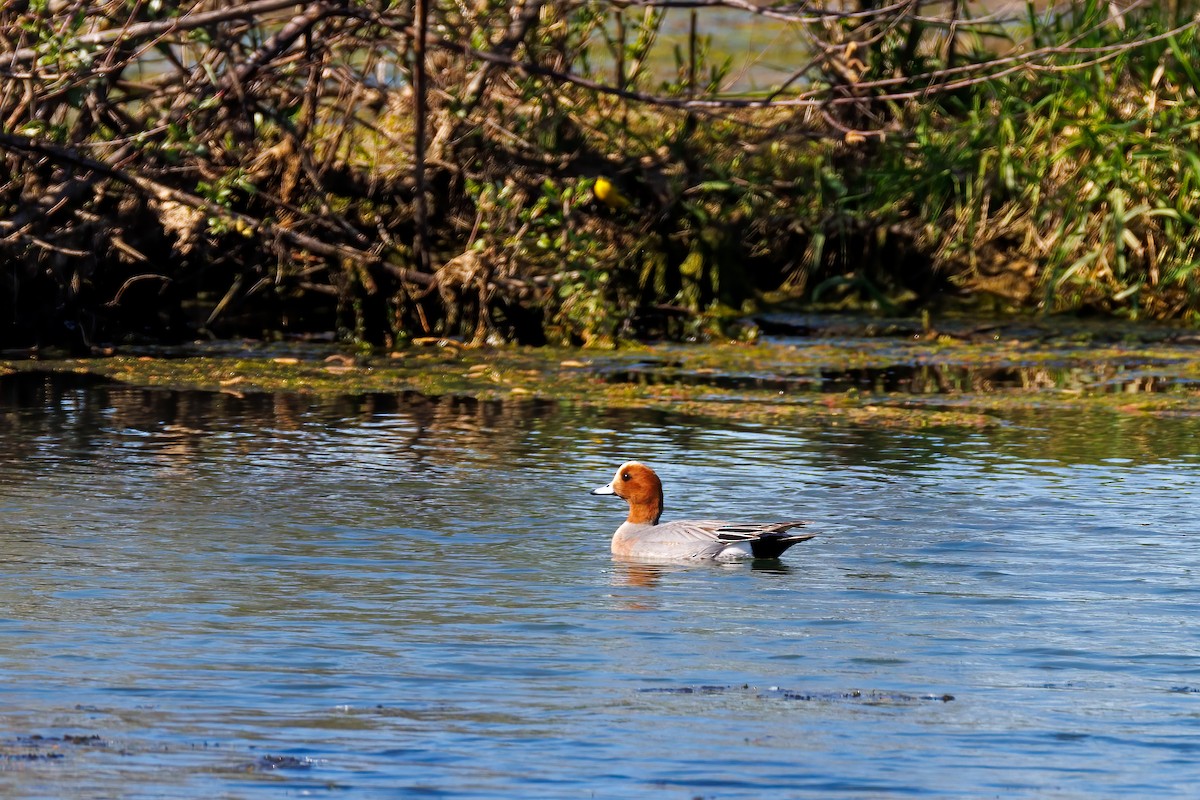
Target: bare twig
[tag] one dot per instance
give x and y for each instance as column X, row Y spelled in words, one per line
column 116, row 301
column 244, row 11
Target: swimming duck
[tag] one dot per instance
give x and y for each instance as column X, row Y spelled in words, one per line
column 642, row 536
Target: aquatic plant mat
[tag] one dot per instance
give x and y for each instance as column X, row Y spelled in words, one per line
column 827, row 370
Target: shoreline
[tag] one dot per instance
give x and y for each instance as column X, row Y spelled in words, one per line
column 868, row 373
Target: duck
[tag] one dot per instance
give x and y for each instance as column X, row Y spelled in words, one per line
column 643, row 537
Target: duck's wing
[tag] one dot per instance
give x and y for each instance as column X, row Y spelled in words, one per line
column 743, row 531
column 713, row 538
column 768, row 540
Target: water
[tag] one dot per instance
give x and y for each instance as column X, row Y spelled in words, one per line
column 264, row 596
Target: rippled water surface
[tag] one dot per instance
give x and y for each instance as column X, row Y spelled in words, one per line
column 226, row 596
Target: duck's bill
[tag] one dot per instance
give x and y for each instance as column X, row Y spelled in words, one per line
column 606, row 489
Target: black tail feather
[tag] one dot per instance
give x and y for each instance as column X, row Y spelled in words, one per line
column 773, row 546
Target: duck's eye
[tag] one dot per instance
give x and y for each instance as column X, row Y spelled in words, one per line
column 625, row 477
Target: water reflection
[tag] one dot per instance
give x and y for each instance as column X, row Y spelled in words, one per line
column 1138, row 376
column 647, row 575
column 633, row 573
column 178, row 428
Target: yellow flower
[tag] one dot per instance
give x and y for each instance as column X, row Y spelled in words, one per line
column 610, row 195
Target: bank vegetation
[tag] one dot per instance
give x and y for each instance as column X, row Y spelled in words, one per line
column 582, row 171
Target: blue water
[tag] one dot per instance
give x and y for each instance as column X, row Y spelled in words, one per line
column 259, row 596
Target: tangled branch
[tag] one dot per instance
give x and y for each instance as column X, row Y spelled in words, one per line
column 278, row 148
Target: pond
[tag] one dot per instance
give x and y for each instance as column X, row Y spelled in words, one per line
column 227, row 595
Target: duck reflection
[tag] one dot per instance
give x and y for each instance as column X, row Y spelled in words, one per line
column 770, row 566
column 648, row 575
column 632, row 573
column 631, row 578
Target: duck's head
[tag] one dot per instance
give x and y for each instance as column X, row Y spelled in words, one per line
column 636, row 484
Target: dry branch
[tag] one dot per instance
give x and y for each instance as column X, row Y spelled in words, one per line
column 149, row 30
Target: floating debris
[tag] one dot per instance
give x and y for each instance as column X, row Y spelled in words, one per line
column 46, row 748
column 268, row 763
column 871, row 697
column 690, row 689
